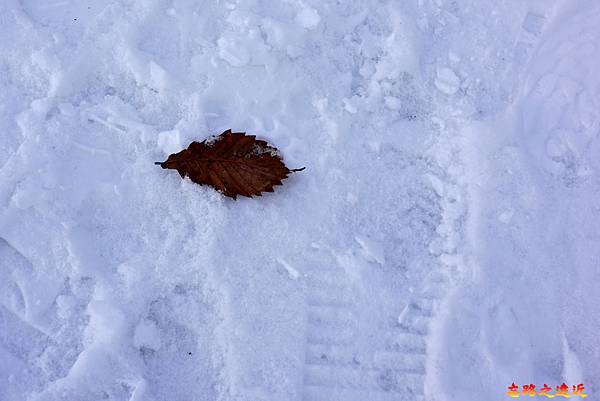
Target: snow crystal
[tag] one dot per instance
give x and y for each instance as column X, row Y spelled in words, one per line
column 233, row 52
column 293, row 273
column 308, row 18
column 447, row 81
column 372, row 249
column 169, row 142
column 147, row 335
column 393, row 103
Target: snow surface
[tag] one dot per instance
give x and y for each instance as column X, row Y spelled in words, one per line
column 441, row 244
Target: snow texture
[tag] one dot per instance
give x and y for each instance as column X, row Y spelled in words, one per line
column 441, row 244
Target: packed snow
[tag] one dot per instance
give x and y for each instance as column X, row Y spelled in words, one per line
column 441, row 244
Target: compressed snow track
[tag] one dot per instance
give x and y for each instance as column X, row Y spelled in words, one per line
column 355, row 350
column 527, row 311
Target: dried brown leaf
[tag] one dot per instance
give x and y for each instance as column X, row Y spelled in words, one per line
column 233, row 163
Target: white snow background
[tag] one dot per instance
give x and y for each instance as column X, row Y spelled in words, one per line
column 442, row 243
